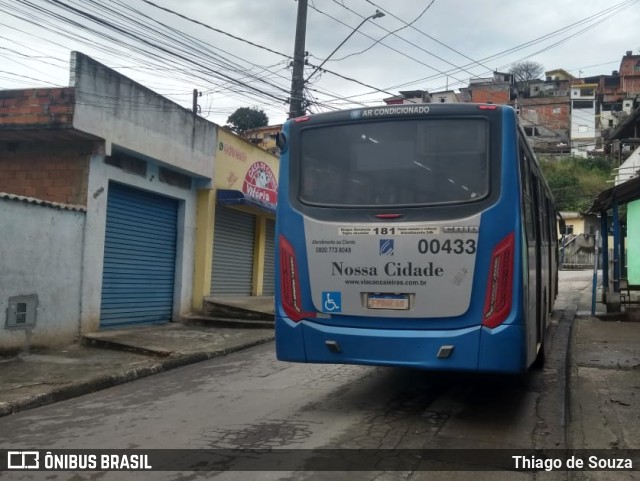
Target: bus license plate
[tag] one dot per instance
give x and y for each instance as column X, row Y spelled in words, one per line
column 388, row 301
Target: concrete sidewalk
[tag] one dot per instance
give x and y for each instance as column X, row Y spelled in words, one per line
column 604, row 384
column 603, row 370
column 108, row 358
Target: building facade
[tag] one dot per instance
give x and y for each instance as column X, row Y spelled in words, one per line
column 546, row 122
column 264, row 137
column 236, row 223
column 585, row 126
column 130, row 163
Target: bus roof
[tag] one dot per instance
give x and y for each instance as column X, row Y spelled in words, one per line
column 398, row 111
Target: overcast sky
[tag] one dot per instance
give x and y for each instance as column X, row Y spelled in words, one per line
column 418, row 44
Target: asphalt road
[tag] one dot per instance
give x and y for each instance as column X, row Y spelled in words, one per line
column 249, row 400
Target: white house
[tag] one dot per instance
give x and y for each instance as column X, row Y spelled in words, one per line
column 583, row 119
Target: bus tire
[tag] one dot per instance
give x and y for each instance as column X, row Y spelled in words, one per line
column 538, row 362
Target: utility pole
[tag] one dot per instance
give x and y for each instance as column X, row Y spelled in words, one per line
column 195, row 104
column 195, row 116
column 296, row 102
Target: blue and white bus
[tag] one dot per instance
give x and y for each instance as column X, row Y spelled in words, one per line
column 413, row 235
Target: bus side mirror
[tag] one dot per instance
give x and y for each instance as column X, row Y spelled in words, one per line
column 562, row 224
column 281, row 141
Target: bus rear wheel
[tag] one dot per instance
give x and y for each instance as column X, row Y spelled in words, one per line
column 538, row 363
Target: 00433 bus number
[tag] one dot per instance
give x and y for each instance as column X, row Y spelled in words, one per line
column 449, row 246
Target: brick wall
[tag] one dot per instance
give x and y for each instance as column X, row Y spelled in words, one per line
column 630, row 78
column 552, row 112
column 42, row 107
column 494, row 94
column 628, row 63
column 55, row 172
column 631, row 84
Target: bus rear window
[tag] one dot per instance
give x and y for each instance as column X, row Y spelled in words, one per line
column 411, row 162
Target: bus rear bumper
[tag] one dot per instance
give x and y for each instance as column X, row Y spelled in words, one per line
column 503, row 349
column 471, row 349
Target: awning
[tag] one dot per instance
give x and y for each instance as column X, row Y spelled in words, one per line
column 235, row 197
column 623, row 194
column 625, row 128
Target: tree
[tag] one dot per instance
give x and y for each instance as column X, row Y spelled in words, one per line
column 576, row 181
column 526, row 71
column 246, row 118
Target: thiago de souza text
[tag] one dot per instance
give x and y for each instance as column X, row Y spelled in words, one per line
column 532, row 463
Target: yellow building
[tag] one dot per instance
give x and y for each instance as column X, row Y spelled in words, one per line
column 578, row 241
column 236, row 223
column 577, row 224
column 264, row 137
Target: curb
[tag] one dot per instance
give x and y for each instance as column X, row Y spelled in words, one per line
column 569, row 381
column 102, row 382
column 227, row 322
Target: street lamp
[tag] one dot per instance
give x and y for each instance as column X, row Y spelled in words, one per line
column 378, row 14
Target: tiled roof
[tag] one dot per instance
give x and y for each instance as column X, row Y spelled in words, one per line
column 44, row 203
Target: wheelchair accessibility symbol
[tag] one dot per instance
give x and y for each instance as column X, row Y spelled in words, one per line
column 331, row 301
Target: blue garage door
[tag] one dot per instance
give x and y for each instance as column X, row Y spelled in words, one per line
column 139, row 258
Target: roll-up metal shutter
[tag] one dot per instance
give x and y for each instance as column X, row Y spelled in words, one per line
column 268, row 283
column 233, row 245
column 139, row 258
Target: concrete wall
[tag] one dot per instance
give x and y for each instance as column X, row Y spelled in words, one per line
column 99, row 176
column 45, row 259
column 633, row 242
column 583, row 124
column 449, row 97
column 127, row 114
column 583, row 120
column 629, row 168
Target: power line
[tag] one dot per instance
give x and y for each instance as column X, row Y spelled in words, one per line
column 519, row 47
column 144, row 41
column 29, row 78
column 66, row 19
column 388, row 34
column 427, row 35
column 217, row 30
column 154, row 46
column 388, row 46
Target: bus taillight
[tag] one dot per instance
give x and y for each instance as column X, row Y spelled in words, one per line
column 290, row 284
column 500, row 283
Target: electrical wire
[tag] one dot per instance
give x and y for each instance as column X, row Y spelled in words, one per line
column 394, row 32
column 240, row 87
column 428, row 36
column 612, row 9
column 400, row 52
column 153, row 45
